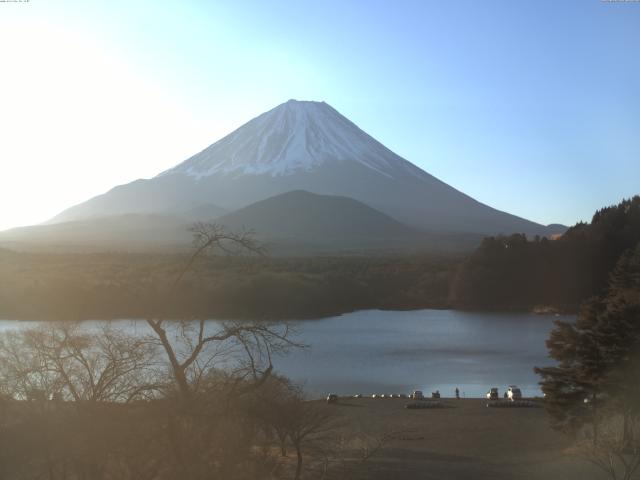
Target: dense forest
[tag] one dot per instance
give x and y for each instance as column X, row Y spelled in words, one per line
column 513, row 272
column 119, row 285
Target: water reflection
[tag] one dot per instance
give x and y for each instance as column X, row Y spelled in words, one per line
column 394, row 352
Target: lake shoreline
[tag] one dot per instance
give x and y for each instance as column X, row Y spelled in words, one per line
column 548, row 311
column 393, row 352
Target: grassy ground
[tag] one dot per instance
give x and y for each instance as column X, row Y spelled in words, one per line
column 464, row 440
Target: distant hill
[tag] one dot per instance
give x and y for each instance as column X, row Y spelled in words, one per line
column 555, row 230
column 307, row 218
column 301, row 222
column 202, row 213
column 128, row 232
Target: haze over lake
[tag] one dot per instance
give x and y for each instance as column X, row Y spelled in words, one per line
column 373, row 351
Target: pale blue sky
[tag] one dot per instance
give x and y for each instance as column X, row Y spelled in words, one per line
column 532, row 107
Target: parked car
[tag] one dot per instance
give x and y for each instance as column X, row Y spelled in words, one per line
column 493, row 394
column 417, row 395
column 357, row 395
column 332, row 398
column 514, row 393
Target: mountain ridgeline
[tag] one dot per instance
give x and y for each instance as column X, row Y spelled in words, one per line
column 512, row 272
column 297, row 146
column 295, row 223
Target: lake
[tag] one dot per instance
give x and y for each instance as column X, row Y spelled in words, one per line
column 373, row 351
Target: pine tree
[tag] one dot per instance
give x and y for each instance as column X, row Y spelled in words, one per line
column 594, row 386
column 574, row 387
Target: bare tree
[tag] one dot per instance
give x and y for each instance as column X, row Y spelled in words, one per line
column 309, row 427
column 270, row 405
column 193, row 347
column 213, row 365
column 616, row 448
column 89, row 417
column 63, row 361
column 71, row 388
column 317, row 434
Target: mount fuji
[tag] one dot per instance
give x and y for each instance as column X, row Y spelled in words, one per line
column 301, row 146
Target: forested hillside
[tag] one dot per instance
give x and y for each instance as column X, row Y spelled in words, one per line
column 516, row 273
column 119, row 285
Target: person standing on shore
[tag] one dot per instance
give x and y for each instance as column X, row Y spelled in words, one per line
column 457, row 394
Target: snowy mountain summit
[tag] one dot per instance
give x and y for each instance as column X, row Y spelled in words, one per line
column 305, row 146
column 295, row 136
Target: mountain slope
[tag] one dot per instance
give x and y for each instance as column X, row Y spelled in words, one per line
column 203, row 213
column 133, row 232
column 307, row 218
column 300, row 221
column 305, row 146
column 292, row 223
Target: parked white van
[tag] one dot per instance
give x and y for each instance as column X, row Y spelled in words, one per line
column 514, row 393
column 417, row 395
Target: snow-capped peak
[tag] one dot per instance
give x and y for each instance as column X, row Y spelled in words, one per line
column 295, row 136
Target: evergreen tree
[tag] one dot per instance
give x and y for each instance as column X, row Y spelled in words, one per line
column 594, row 386
column 574, row 387
column 512, row 272
column 599, row 354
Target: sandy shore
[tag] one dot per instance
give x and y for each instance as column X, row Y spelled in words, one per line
column 463, row 440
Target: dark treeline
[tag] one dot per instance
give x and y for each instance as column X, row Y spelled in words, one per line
column 512, row 272
column 119, row 285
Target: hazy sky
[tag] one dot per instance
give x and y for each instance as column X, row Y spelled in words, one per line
column 532, row 107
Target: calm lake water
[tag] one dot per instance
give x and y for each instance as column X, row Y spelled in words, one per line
column 374, row 351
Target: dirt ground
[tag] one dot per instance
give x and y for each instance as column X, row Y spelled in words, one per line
column 463, row 440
